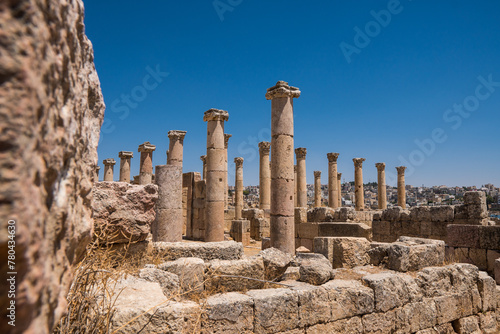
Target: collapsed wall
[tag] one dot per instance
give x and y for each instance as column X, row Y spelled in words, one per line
column 51, row 110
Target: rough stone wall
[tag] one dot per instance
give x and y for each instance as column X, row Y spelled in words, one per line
column 51, row 110
column 199, row 195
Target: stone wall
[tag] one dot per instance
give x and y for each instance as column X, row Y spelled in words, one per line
column 429, row 222
column 51, row 110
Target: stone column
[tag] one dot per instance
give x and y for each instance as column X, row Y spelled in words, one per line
column 333, row 191
column 108, row 169
column 317, row 189
column 238, row 188
column 204, row 159
column 125, row 157
column 226, row 142
column 382, row 189
column 401, row 186
column 264, row 176
column 176, row 147
column 339, row 187
column 214, row 229
column 282, row 227
column 300, row 154
column 359, row 194
column 167, row 226
column 294, row 186
column 146, row 167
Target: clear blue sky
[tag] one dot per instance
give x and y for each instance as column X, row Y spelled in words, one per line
column 371, row 94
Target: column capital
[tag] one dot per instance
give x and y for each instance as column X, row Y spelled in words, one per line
column 264, row 147
column 109, row 162
column 176, row 134
column 215, row 115
column 203, row 158
column 125, row 154
column 146, row 147
column 317, row 174
column 380, row 166
column 238, row 161
column 282, row 89
column 97, row 168
column 301, row 152
column 358, row 162
column 226, row 139
column 401, row 170
column 332, row 157
column 339, row 176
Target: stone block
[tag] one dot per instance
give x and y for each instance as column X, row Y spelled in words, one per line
column 322, row 214
column 228, row 313
column 300, row 215
column 358, row 230
column 345, row 214
column 222, row 250
column 276, row 262
column 410, row 228
column 478, row 258
column 314, row 304
column 486, row 286
column 392, row 214
column 420, row 214
column 463, row 236
column 497, row 272
column 349, row 298
column 381, row 227
column 411, row 254
column 379, row 322
column 442, row 213
column 169, row 282
column 392, row 290
column 467, row 325
column 266, row 243
column 489, row 237
column 291, row 274
column 343, row 252
column 488, row 323
column 352, row 325
column 491, row 256
column 276, row 310
column 413, row 317
column 447, row 309
column 231, row 275
column 308, row 230
column 315, row 270
column 190, row 272
column 379, row 252
column 240, row 231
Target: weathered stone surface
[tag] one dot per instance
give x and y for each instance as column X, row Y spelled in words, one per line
column 51, row 110
column 291, row 274
column 351, row 326
column 240, row 270
column 497, row 271
column 420, row 214
column 168, row 282
column 379, row 322
column 346, row 214
column 223, row 250
column 315, row 271
column 392, row 214
column 322, row 214
column 343, row 252
column 190, row 272
column 123, row 212
column 467, row 325
column 228, row 313
column 463, row 236
column 488, row 323
column 415, row 316
column 491, row 256
column 378, row 253
column 410, row 254
column 486, row 286
column 442, row 213
column 275, row 310
column 314, row 304
column 349, row 298
column 392, row 290
column 357, row 230
column 141, row 306
column 489, row 237
column 276, row 262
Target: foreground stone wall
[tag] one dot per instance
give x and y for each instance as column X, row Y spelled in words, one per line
column 51, row 110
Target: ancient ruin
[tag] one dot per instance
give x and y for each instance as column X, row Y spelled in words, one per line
column 333, row 188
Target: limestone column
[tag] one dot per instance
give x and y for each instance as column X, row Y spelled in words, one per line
column 108, row 169
column 382, row 189
column 97, row 169
column 333, row 190
column 203, row 158
column 359, row 195
column 294, row 186
column 300, row 154
column 169, row 221
column 146, row 167
column 317, row 189
column 125, row 157
column 282, row 229
column 264, row 176
column 214, row 229
column 176, row 147
column 339, row 187
column 226, row 142
column 238, row 188
column 401, row 186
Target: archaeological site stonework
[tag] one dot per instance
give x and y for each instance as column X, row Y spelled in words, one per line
column 52, row 109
